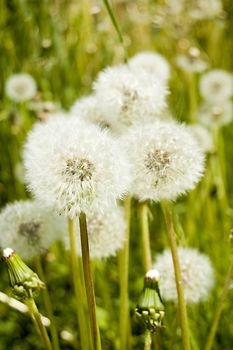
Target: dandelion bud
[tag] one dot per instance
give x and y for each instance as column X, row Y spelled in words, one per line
column 23, row 280
column 150, row 308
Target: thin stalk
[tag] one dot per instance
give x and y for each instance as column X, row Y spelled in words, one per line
column 124, row 276
column 89, row 282
column 78, row 289
column 48, row 306
column 219, row 308
column 220, row 169
column 37, row 320
column 156, row 340
column 179, row 286
column 192, row 96
column 116, row 26
column 148, row 341
column 145, row 234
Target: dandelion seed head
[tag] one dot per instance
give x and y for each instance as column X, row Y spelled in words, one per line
column 202, row 9
column 216, row 86
column 153, row 63
column 165, row 159
column 127, row 97
column 196, row 271
column 29, row 228
column 191, row 61
column 215, row 114
column 203, row 137
column 20, row 87
column 88, row 108
column 74, row 166
column 106, row 233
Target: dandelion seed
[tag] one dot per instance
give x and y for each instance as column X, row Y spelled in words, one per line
column 74, row 166
column 29, row 228
column 216, row 86
column 20, row 87
column 126, row 97
column 196, row 271
column 165, row 159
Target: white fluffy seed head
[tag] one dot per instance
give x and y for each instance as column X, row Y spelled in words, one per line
column 216, row 114
column 29, row 228
column 125, row 97
column 202, row 9
column 191, row 63
column 166, row 160
column 216, row 86
column 153, row 63
column 20, row 87
column 88, row 108
column 196, row 271
column 106, row 233
column 74, row 166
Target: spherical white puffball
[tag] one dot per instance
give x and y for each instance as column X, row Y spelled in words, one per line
column 20, row 87
column 74, row 166
column 29, row 228
column 165, row 158
column 196, row 271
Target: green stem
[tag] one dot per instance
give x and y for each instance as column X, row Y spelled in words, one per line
column 79, row 291
column 192, row 96
column 48, row 306
column 116, row 26
column 148, row 341
column 219, row 308
column 156, row 340
column 37, row 319
column 124, row 276
column 144, row 224
column 220, row 169
column 89, row 282
column 179, row 286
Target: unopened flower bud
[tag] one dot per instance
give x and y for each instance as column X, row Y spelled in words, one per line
column 150, row 308
column 23, row 280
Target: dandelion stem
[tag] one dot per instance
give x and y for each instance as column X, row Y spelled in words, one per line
column 89, row 282
column 124, row 275
column 180, row 292
column 38, row 321
column 219, row 308
column 78, row 289
column 192, row 96
column 48, row 306
column 143, row 213
column 148, row 341
column 116, row 26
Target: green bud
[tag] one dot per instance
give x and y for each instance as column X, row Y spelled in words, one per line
column 23, row 280
column 150, row 309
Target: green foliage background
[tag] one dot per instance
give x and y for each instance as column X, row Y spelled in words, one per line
column 63, row 45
